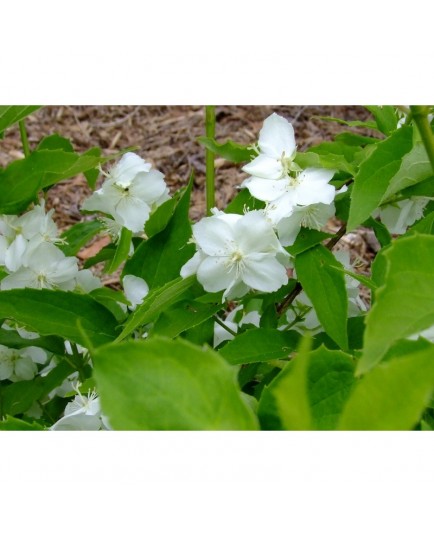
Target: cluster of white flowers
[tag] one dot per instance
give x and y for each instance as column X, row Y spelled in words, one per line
column 294, row 197
column 131, row 191
column 29, row 255
column 237, row 253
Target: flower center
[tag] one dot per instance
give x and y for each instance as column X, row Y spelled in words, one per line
column 289, row 167
column 236, row 260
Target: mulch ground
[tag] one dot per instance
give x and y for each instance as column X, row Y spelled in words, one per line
column 166, row 136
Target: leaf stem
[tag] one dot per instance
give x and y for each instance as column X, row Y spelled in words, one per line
column 224, row 326
column 420, row 115
column 209, row 159
column 24, row 138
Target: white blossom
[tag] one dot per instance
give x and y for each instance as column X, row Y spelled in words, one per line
column 46, row 267
column 17, row 365
column 397, row 217
column 131, row 191
column 311, row 216
column 221, row 334
column 82, row 413
column 135, row 289
column 237, row 253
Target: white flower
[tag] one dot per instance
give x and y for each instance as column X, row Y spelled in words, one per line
column 221, row 334
column 305, row 188
column 82, row 413
column 135, row 289
column 130, row 193
column 85, row 281
column 310, row 216
column 17, row 365
column 236, row 253
column 398, row 216
column 46, row 267
column 356, row 304
column 277, row 150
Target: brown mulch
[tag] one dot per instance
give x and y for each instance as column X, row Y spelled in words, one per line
column 166, row 136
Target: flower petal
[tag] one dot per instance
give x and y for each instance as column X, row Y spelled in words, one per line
column 265, row 167
column 126, row 169
column 214, row 274
column 313, row 187
column 264, row 273
column 254, row 232
column 133, row 213
column 135, row 289
column 148, row 186
column 277, row 137
column 214, row 236
column 264, row 189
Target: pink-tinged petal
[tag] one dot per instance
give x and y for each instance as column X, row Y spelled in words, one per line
column 148, row 186
column 265, row 167
column 277, row 137
column 214, row 236
column 264, row 273
column 215, row 274
column 264, row 189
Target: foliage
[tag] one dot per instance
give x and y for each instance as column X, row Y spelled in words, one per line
column 250, row 318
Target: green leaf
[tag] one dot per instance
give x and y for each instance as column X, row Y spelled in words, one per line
column 321, row 386
column 364, row 124
column 242, row 201
column 182, row 316
column 385, row 117
column 160, row 259
column 11, row 423
column 350, row 138
column 12, row 114
column 53, row 142
column 16, row 398
column 234, row 152
column 380, row 230
column 425, row 225
column 75, row 317
column 161, row 217
column 325, row 287
column 358, row 277
column 393, row 395
column 111, row 300
column 375, row 174
column 404, row 305
column 162, row 384
column 260, row 344
column 415, row 168
column 121, row 251
column 22, row 179
column 291, row 392
column 306, row 239
column 78, row 236
column 155, row 303
column 319, row 157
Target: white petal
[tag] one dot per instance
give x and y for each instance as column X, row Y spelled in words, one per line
column 214, row 274
column 135, row 289
column 191, row 266
column 264, row 189
column 148, row 186
column 277, row 137
column 133, row 213
column 22, row 278
column 100, row 201
column 15, row 253
column 264, row 273
column 86, row 281
column 254, row 233
column 236, row 290
column 313, row 187
column 265, row 167
column 126, row 169
column 25, row 369
column 282, row 207
column 37, row 355
column 78, row 423
column 214, row 236
column 288, row 228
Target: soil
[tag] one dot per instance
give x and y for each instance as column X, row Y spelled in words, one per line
column 166, row 136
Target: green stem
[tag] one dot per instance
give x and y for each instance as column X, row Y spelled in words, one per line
column 420, row 115
column 209, row 159
column 24, row 138
column 224, row 326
